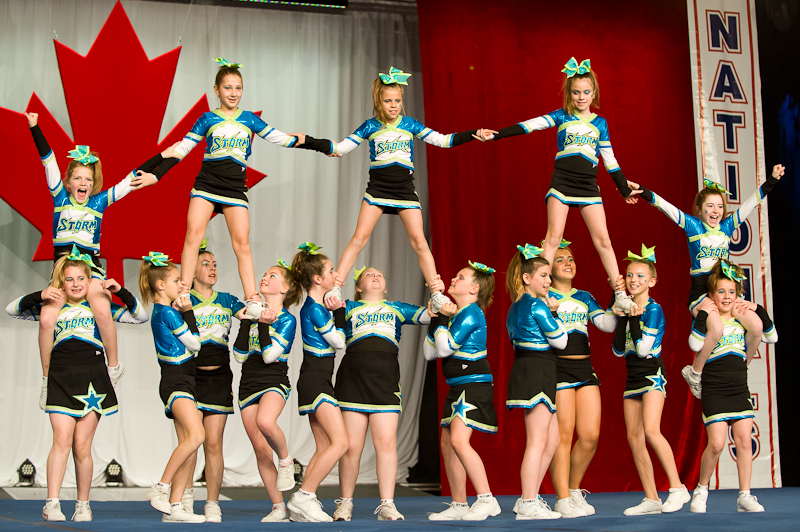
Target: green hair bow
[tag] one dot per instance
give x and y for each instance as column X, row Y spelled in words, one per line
column 529, row 252
column 283, row 263
column 359, row 272
column 395, row 76
column 157, row 258
column 572, row 67
column 204, row 245
column 562, row 245
column 729, row 270
column 82, row 155
column 224, row 62
column 647, row 254
column 310, row 248
column 715, row 186
column 75, row 254
column 481, row 267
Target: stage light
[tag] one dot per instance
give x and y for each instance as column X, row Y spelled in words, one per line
column 27, row 473
column 298, row 471
column 114, row 474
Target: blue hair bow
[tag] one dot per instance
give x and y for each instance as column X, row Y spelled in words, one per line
column 572, row 67
column 82, row 155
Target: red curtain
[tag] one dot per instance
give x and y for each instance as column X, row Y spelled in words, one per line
column 493, row 64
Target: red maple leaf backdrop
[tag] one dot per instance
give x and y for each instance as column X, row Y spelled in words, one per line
column 116, row 98
column 491, row 199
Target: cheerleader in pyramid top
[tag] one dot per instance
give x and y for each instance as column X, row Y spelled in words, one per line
column 708, row 231
column 534, row 328
column 221, row 184
column 582, row 139
column 79, row 204
column 638, row 339
column 322, row 336
column 263, row 348
column 726, row 397
column 391, row 175
column 368, row 386
column 177, row 342
column 80, row 388
column 458, row 335
column 577, row 389
column 213, row 382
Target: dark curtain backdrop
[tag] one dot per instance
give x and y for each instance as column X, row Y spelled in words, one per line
column 493, row 64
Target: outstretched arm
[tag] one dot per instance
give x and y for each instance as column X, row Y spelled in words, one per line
column 45, row 154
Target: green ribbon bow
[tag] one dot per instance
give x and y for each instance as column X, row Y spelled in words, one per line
column 224, row 62
column 730, row 272
column 359, row 272
column 310, row 248
column 283, row 263
column 82, row 155
column 157, row 258
column 481, row 267
column 75, row 254
column 529, row 251
column 572, row 67
column 647, row 254
column 562, row 245
column 395, row 76
column 204, row 245
column 715, row 186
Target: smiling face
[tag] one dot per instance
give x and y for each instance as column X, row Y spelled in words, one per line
column 537, row 283
column 273, row 282
column 724, row 296
column 392, row 103
column 582, row 94
column 76, row 283
column 79, row 183
column 712, row 210
column 372, row 284
column 639, row 279
column 563, row 266
column 229, row 92
column 206, row 270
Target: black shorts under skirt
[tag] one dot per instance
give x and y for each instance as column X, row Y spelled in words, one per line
column 177, row 381
column 314, row 385
column 644, row 375
column 532, row 380
column 575, row 373
column 472, row 404
column 214, row 390
column 392, row 188
column 76, row 388
column 369, row 382
column 574, row 190
column 726, row 396
column 259, row 378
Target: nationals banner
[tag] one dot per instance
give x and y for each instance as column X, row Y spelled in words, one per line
column 729, row 139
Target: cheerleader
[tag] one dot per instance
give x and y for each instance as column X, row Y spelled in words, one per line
column 534, row 327
column 80, row 387
column 79, row 203
column 709, row 233
column 458, row 335
column 263, row 348
column 638, row 339
column 177, row 341
column 368, row 386
column 577, row 388
column 391, row 175
column 582, row 139
column 322, row 336
column 726, row 397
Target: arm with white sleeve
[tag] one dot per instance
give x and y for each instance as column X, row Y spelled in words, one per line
column 534, row 124
column 552, row 327
column 190, row 338
column 436, row 344
column 335, row 334
column 604, row 320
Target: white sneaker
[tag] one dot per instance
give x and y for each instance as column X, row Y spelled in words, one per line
column 515, row 509
column 187, row 501
column 52, row 511
column 699, row 500
column 568, row 509
column 43, row 394
column 253, row 309
column 344, row 509
column 481, row 509
column 537, row 509
column 646, row 507
column 387, row 511
column 453, row 513
column 748, row 503
column 213, row 512
column 693, row 380
column 624, row 301
column 159, row 498
column 285, row 477
column 277, row 515
column 182, row 516
column 438, row 300
column 306, row 510
column 675, row 500
column 336, row 292
column 82, row 511
column 578, row 498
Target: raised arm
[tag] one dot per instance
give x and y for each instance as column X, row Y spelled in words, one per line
column 45, row 154
column 754, row 200
column 672, row 212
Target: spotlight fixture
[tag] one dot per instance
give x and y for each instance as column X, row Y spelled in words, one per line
column 298, row 471
column 27, row 473
column 114, row 474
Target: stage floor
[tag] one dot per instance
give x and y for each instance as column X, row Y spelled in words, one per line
column 782, row 514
